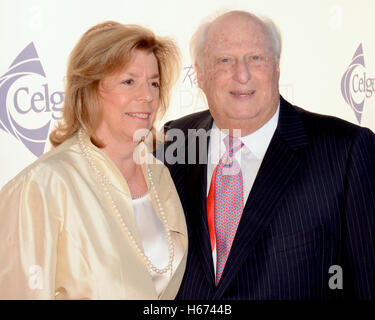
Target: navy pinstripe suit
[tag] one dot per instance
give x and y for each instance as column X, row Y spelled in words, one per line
column 312, row 206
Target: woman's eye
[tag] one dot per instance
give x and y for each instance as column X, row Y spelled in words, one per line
column 128, row 82
column 255, row 58
column 155, row 84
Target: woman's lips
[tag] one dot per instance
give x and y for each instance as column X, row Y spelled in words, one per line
column 139, row 115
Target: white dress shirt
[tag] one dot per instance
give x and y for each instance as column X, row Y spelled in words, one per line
column 250, row 156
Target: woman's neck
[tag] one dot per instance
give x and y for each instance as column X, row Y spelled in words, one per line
column 122, row 154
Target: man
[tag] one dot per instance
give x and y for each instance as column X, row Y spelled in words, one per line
column 306, row 227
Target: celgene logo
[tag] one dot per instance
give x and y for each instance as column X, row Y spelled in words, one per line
column 356, row 86
column 26, row 104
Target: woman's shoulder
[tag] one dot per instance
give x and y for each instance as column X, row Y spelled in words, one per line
column 45, row 166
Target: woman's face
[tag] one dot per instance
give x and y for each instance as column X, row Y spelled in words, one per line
column 129, row 98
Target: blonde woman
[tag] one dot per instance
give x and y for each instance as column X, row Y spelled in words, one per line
column 86, row 220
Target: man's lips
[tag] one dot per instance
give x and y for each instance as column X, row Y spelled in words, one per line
column 242, row 93
column 139, row 115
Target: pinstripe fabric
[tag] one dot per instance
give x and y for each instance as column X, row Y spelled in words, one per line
column 312, row 206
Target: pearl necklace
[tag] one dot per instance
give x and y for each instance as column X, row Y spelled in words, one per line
column 104, row 182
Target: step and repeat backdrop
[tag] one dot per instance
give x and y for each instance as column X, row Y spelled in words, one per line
column 327, row 62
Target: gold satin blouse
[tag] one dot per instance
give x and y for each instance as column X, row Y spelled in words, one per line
column 60, row 237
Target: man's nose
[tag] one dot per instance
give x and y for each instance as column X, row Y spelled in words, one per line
column 242, row 72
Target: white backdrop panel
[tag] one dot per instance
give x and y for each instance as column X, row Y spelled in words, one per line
column 320, row 39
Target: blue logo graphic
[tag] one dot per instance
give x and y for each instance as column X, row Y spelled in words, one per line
column 356, row 86
column 13, row 97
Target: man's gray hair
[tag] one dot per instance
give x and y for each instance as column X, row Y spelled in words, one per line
column 198, row 40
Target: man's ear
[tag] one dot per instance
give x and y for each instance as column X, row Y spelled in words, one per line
column 199, row 73
column 278, row 67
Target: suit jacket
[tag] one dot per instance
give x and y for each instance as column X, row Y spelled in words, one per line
column 311, row 209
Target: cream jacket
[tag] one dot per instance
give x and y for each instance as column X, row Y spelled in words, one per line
column 60, row 237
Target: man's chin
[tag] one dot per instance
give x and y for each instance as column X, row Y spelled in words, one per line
column 242, row 117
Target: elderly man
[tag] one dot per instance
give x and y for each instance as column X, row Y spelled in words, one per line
column 284, row 208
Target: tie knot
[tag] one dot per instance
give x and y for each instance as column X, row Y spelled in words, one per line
column 232, row 144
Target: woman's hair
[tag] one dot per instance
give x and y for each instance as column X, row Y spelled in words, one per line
column 102, row 50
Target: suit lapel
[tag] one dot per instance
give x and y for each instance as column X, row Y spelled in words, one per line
column 196, row 187
column 279, row 165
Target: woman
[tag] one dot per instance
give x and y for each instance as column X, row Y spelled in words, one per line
column 87, row 220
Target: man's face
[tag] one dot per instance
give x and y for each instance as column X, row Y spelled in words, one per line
column 240, row 74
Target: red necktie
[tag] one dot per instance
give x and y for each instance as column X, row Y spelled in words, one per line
column 228, row 201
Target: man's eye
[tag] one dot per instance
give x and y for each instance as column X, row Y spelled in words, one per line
column 128, row 81
column 258, row 58
column 224, row 60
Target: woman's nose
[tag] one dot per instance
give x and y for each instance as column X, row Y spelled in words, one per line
column 145, row 92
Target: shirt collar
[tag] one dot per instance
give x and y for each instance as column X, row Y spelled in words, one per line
column 257, row 142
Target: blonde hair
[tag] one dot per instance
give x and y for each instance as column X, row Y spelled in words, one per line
column 102, row 50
